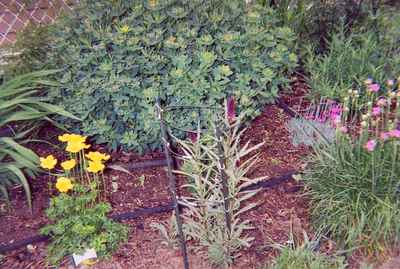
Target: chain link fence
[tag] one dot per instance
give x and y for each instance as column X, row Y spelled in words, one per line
column 16, row 14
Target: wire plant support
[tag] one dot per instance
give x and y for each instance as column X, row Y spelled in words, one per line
column 172, row 183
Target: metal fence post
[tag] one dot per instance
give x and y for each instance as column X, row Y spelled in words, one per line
column 172, row 184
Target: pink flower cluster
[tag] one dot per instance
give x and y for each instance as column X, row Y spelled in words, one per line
column 374, row 87
column 371, row 144
column 390, row 134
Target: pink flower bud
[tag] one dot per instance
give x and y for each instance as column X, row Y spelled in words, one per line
column 370, row 145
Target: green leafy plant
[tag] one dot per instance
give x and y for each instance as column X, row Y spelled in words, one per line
column 353, row 182
column 349, row 60
column 119, row 56
column 303, row 255
column 205, row 217
column 21, row 111
column 81, row 222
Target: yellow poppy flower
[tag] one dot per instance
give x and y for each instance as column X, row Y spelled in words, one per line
column 96, row 156
column 64, row 184
column 75, row 147
column 68, row 165
column 125, row 29
column 72, row 138
column 63, row 138
column 48, row 163
column 95, row 167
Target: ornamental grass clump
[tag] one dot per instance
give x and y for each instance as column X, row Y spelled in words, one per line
column 354, row 182
column 78, row 215
column 205, row 216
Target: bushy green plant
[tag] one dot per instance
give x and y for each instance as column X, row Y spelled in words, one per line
column 205, row 215
column 120, row 55
column 348, row 62
column 80, row 222
column 354, row 181
column 21, row 111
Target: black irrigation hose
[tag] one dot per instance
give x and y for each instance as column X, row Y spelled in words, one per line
column 144, row 164
column 143, row 212
column 269, row 183
column 281, row 104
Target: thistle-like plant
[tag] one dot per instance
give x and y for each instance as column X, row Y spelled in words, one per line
column 205, row 217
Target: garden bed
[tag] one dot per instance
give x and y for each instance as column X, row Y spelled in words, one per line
column 279, row 207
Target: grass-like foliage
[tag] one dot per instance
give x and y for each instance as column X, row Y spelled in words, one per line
column 354, row 181
column 81, row 222
column 349, row 60
column 297, row 255
column 120, row 55
column 22, row 108
column 204, row 218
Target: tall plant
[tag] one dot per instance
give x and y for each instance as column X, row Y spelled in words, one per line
column 22, row 107
column 206, row 214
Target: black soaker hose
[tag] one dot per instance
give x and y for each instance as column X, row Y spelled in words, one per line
column 143, row 212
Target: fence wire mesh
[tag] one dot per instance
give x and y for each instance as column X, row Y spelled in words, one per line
column 16, row 14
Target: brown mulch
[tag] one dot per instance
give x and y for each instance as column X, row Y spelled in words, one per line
column 281, row 209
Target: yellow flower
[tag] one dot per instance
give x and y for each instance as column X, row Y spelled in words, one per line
column 64, row 184
column 75, row 147
column 72, row 138
column 68, row 165
column 125, row 29
column 64, row 137
column 95, row 167
column 48, row 163
column 96, row 156
column 152, row 3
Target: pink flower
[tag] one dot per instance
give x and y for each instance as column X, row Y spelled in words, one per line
column 381, row 102
column 370, row 145
column 374, row 87
column 376, row 111
column 343, row 129
column 384, row 136
column 231, row 109
column 394, row 133
column 193, row 136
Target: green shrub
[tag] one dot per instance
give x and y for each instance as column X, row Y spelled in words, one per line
column 348, row 62
column 22, row 111
column 119, row 55
column 80, row 222
column 354, row 182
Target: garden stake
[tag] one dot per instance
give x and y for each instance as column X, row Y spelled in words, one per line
column 224, row 183
column 172, row 184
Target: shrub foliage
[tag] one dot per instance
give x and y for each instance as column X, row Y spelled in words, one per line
column 119, row 55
